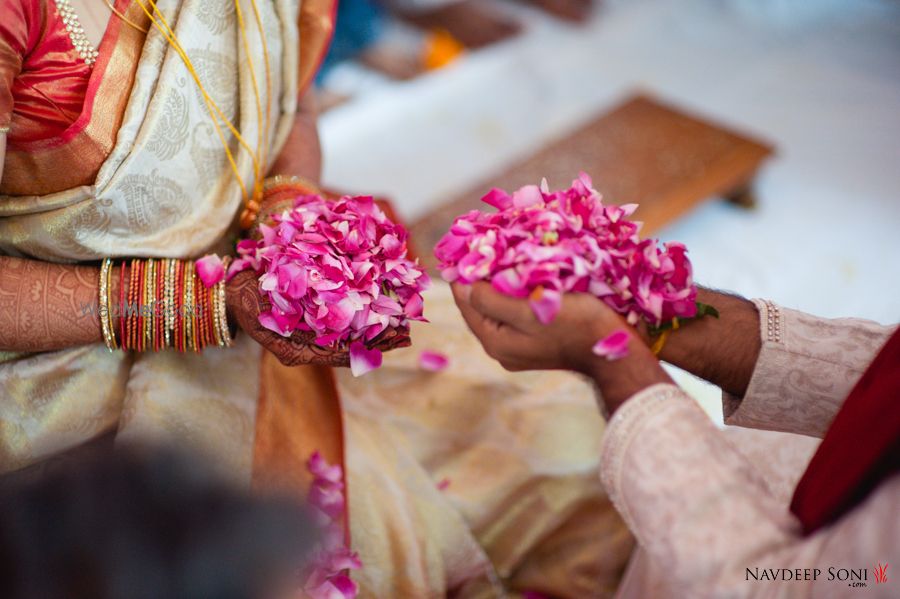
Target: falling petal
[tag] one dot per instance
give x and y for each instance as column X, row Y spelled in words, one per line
column 443, row 484
column 210, row 269
column 614, row 346
column 433, row 361
column 362, row 359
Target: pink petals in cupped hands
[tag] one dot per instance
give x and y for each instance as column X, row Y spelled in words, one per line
column 336, row 268
column 540, row 244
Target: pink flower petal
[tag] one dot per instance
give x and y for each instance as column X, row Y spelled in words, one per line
column 362, row 359
column 433, row 361
column 529, row 195
column 345, row 585
column 545, row 303
column 614, row 346
column 498, row 199
column 443, row 484
column 210, row 269
column 319, row 468
column 326, row 575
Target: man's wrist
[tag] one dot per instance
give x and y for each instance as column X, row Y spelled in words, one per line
column 619, row 380
column 720, row 350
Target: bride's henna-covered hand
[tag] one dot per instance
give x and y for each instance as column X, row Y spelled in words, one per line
column 244, row 306
column 46, row 306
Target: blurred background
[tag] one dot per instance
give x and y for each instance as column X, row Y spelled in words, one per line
column 431, row 105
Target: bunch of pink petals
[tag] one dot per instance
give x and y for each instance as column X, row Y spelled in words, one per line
column 541, row 243
column 327, row 575
column 336, row 268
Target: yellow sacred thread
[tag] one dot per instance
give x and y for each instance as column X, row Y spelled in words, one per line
column 214, row 110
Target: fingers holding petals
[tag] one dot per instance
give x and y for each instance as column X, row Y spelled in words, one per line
column 492, row 304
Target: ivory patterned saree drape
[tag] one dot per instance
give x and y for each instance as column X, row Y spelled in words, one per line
column 164, row 189
column 523, row 509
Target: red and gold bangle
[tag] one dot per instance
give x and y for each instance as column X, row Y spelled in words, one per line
column 198, row 300
column 151, row 299
column 129, row 317
column 207, row 320
column 188, row 316
column 148, row 299
column 123, row 293
column 195, row 321
column 169, row 292
column 146, row 312
column 137, row 306
column 161, row 299
column 210, row 315
column 133, row 307
column 146, row 317
column 179, row 303
column 158, row 307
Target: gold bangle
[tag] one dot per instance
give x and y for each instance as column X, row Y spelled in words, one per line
column 296, row 181
column 275, row 186
column 109, row 311
column 188, row 316
column 222, row 311
column 167, row 302
column 149, row 284
column 104, row 311
column 214, row 314
column 268, row 211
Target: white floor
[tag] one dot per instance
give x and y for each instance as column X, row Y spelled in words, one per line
column 819, row 78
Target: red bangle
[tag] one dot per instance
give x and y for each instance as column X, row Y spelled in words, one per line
column 139, row 324
column 159, row 312
column 201, row 306
column 142, row 294
column 132, row 298
column 122, row 295
column 182, row 333
column 195, row 321
column 178, row 307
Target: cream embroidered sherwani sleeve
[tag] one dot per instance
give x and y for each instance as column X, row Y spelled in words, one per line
column 704, row 515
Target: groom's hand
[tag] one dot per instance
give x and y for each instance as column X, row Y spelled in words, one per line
column 512, row 335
